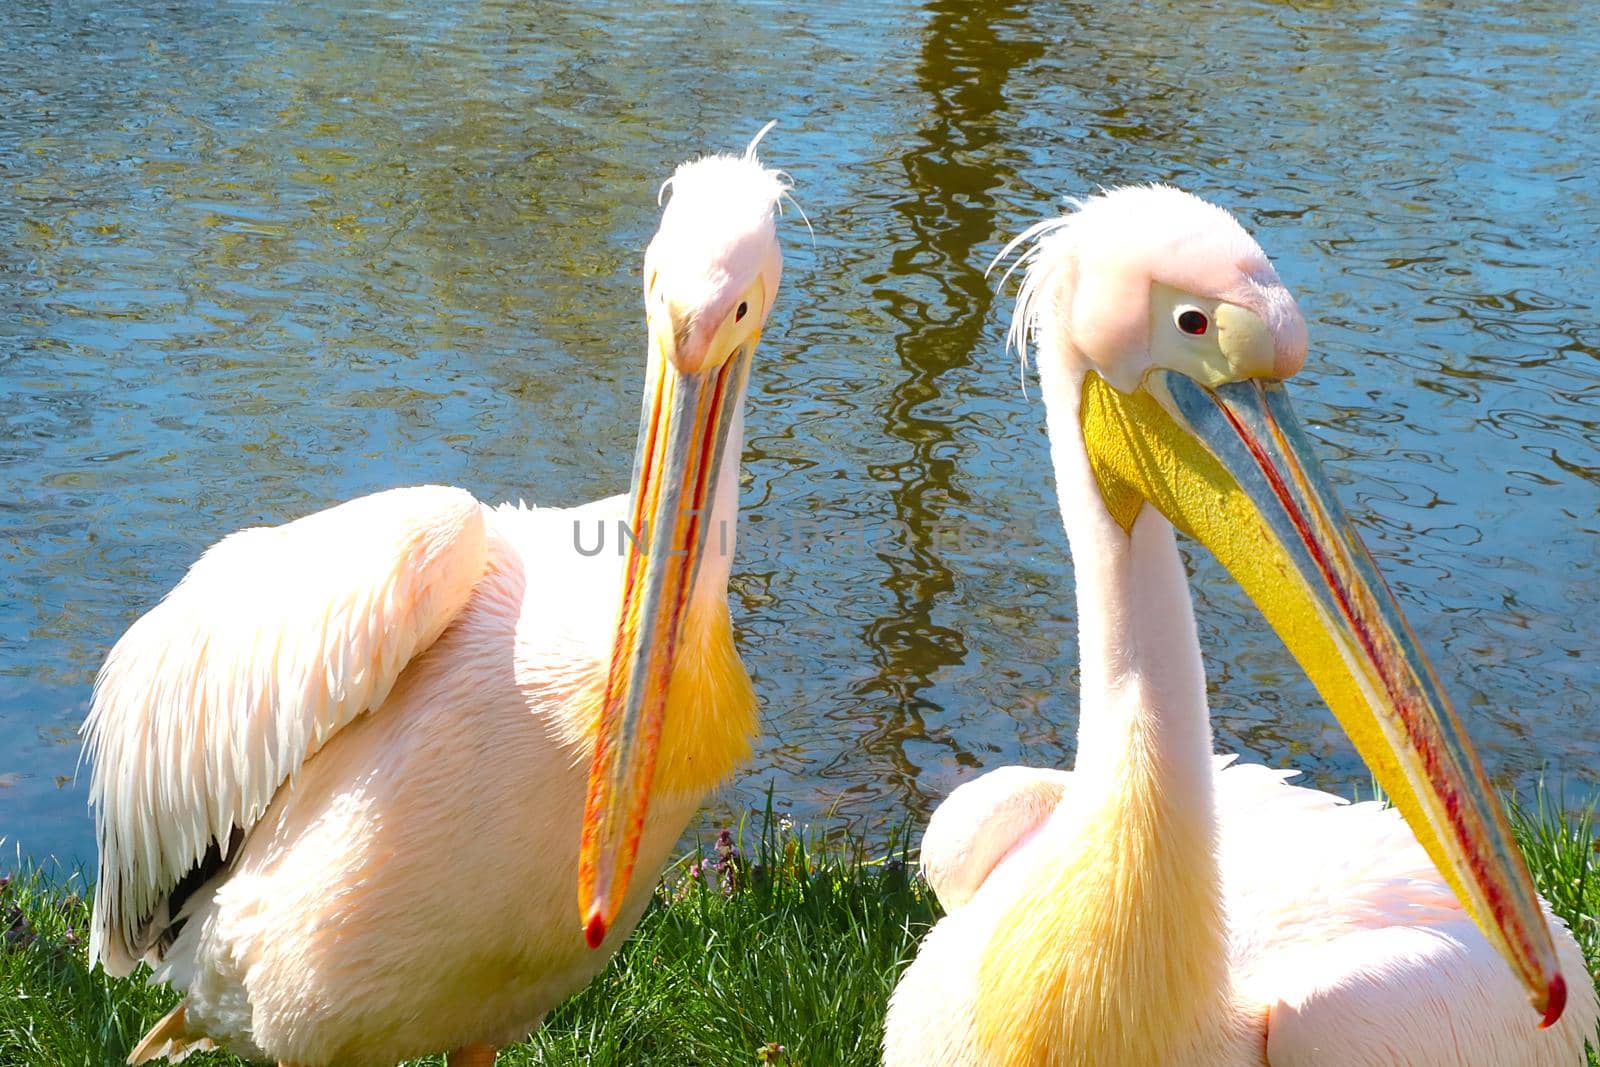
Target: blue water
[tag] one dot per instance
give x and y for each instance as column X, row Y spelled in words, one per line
column 257, row 258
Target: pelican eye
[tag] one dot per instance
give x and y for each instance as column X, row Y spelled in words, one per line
column 739, row 314
column 1192, row 321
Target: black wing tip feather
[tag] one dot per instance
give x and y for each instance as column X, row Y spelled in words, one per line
column 156, row 931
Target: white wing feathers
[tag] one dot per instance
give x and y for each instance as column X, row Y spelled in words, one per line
column 1300, row 865
column 981, row 823
column 1424, row 995
column 273, row 641
column 1341, row 924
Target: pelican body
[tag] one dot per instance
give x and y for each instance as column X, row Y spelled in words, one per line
column 371, row 784
column 1158, row 906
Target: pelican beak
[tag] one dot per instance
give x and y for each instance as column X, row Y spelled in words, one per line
column 1231, row 467
column 682, row 430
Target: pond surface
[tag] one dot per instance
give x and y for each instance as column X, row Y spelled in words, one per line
column 257, row 258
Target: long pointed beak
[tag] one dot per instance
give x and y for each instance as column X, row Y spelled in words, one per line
column 1231, row 467
column 682, row 430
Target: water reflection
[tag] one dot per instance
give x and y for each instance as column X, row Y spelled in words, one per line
column 255, row 259
column 935, row 289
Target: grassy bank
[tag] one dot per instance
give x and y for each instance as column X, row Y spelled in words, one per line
column 784, row 952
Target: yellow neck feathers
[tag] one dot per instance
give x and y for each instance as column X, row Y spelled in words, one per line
column 1115, row 952
column 711, row 706
column 710, row 717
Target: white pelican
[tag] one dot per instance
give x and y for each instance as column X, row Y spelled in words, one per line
column 1151, row 907
column 340, row 771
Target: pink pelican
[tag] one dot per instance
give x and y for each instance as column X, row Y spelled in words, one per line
column 350, row 773
column 1157, row 906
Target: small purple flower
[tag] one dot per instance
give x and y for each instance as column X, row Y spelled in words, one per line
column 728, row 862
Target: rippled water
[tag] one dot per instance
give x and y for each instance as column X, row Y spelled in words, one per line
column 257, row 258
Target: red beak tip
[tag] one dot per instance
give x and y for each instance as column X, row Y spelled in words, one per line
column 1555, row 1002
column 594, row 932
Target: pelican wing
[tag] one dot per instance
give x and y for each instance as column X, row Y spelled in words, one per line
column 981, row 823
column 1423, row 995
column 276, row 638
column 1345, row 933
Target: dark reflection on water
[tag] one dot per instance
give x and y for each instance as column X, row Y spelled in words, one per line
column 940, row 306
column 255, row 259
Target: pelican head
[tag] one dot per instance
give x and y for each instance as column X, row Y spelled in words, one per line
column 1164, row 336
column 712, row 270
column 710, row 278
column 1150, row 276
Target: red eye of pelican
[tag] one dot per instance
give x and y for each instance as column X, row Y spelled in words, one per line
column 1192, row 321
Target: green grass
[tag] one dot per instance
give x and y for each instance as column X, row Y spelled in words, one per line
column 1563, row 856
column 782, row 954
